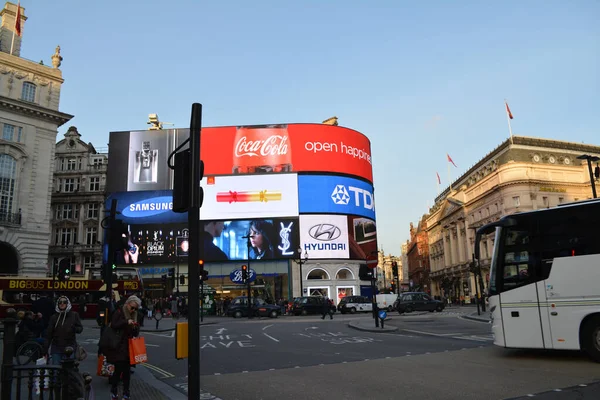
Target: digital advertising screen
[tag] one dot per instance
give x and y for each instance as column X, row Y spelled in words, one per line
column 250, row 196
column 335, row 195
column 362, row 238
column 324, row 236
column 138, row 158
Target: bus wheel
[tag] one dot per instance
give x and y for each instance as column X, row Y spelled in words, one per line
column 590, row 338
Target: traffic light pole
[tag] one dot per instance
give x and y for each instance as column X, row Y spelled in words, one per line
column 196, row 253
column 110, row 259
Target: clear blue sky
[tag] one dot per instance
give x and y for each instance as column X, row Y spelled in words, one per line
column 421, row 79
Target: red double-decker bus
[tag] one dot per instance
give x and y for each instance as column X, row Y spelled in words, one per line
column 19, row 292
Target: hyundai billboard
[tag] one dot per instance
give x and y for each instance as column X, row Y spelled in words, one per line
column 324, row 236
column 335, row 195
column 138, row 158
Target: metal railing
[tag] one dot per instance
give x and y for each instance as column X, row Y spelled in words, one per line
column 7, row 218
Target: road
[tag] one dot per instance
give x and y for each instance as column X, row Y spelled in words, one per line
column 431, row 356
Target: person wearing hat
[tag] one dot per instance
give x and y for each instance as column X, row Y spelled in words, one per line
column 62, row 328
column 124, row 320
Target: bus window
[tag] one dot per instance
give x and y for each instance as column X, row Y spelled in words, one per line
column 517, row 264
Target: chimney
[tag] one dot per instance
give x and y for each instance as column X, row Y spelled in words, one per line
column 7, row 29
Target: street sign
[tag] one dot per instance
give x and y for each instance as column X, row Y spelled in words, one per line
column 382, row 314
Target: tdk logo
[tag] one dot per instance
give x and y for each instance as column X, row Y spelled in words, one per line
column 362, row 198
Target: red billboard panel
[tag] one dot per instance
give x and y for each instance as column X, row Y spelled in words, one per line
column 286, row 148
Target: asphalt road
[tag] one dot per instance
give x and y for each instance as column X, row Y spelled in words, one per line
column 431, row 356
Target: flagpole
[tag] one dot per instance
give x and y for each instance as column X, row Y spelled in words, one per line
column 508, row 119
column 449, row 180
column 12, row 45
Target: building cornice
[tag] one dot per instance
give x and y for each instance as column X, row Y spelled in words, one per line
column 34, row 111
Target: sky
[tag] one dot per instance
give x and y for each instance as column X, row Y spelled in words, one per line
column 420, row 79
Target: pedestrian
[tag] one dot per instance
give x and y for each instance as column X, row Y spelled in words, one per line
column 124, row 321
column 326, row 309
column 62, row 328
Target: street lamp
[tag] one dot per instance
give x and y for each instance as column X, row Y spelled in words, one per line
column 302, row 260
column 374, row 288
column 591, row 159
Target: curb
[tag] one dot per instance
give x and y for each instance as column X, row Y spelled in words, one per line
column 476, row 318
column 146, row 376
column 374, row 330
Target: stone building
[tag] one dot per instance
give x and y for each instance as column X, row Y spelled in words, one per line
column 77, row 203
column 519, row 175
column 29, row 118
column 384, row 270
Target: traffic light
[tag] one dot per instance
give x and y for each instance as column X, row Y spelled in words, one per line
column 395, row 269
column 244, row 273
column 365, row 273
column 181, row 181
column 182, row 279
column 64, row 269
column 117, row 229
column 203, row 275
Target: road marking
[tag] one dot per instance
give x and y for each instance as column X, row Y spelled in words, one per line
column 267, row 327
column 159, row 370
column 431, row 333
column 311, row 327
column 270, row 337
column 220, row 331
column 151, row 345
column 168, row 335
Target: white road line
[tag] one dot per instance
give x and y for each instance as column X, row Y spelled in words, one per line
column 267, row 327
column 270, row 337
column 431, row 333
column 151, row 345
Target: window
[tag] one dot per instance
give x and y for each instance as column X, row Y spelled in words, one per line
column 89, row 261
column 28, row 93
column 71, row 164
column 65, row 236
column 12, row 133
column 70, row 184
column 67, row 211
column 93, row 210
column 545, row 201
column 8, row 172
column 94, row 183
column 91, row 235
column 517, row 201
column 517, row 264
column 561, row 200
column 97, row 162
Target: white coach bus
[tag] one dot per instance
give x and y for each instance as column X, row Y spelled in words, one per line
column 544, row 289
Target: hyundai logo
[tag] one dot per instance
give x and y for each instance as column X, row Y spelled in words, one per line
column 325, row 232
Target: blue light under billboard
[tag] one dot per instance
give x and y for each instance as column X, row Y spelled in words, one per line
column 151, row 207
column 335, row 195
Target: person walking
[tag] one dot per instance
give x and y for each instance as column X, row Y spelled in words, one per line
column 62, row 328
column 326, row 309
column 124, row 321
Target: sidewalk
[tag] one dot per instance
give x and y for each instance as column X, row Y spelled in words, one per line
column 143, row 384
column 484, row 317
column 368, row 325
column 165, row 324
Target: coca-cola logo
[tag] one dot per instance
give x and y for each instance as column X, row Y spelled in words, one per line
column 274, row 145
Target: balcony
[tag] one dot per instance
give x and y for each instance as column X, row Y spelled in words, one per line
column 10, row 219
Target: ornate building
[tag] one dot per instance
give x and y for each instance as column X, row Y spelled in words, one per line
column 385, row 278
column 418, row 257
column 77, row 203
column 519, row 175
column 29, row 118
column 404, row 260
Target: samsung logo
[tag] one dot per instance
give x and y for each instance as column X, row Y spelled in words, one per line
column 149, row 207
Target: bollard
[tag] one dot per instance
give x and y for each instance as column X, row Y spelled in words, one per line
column 157, row 317
column 382, row 316
column 8, row 353
column 72, row 385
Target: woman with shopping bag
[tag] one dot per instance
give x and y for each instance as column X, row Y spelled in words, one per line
column 124, row 327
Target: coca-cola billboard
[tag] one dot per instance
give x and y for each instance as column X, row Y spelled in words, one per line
column 230, row 150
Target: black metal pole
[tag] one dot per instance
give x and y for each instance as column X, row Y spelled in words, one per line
column 196, row 253
column 8, row 352
column 374, row 289
column 111, row 253
column 249, row 288
column 301, row 277
column 589, row 162
column 177, row 277
column 202, row 301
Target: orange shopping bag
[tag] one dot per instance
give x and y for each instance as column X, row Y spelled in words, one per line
column 137, row 351
column 104, row 368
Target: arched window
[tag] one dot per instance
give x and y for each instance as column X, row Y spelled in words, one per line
column 344, row 273
column 8, row 172
column 318, row 273
column 28, row 93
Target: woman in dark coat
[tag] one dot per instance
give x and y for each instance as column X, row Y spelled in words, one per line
column 124, row 320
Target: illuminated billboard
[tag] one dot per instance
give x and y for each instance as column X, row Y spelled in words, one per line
column 250, row 196
column 334, row 194
column 362, row 238
column 324, row 236
column 138, row 158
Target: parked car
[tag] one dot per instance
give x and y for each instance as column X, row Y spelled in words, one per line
column 417, row 301
column 309, row 305
column 353, row 304
column 239, row 308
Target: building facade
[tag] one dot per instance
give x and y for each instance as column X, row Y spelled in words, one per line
column 385, row 277
column 520, row 175
column 418, row 257
column 29, row 117
column 404, row 260
column 77, row 204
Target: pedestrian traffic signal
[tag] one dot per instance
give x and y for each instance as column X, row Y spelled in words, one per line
column 182, row 279
column 64, row 269
column 164, row 279
column 395, row 269
column 203, row 275
column 117, row 229
column 171, row 272
column 244, row 273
